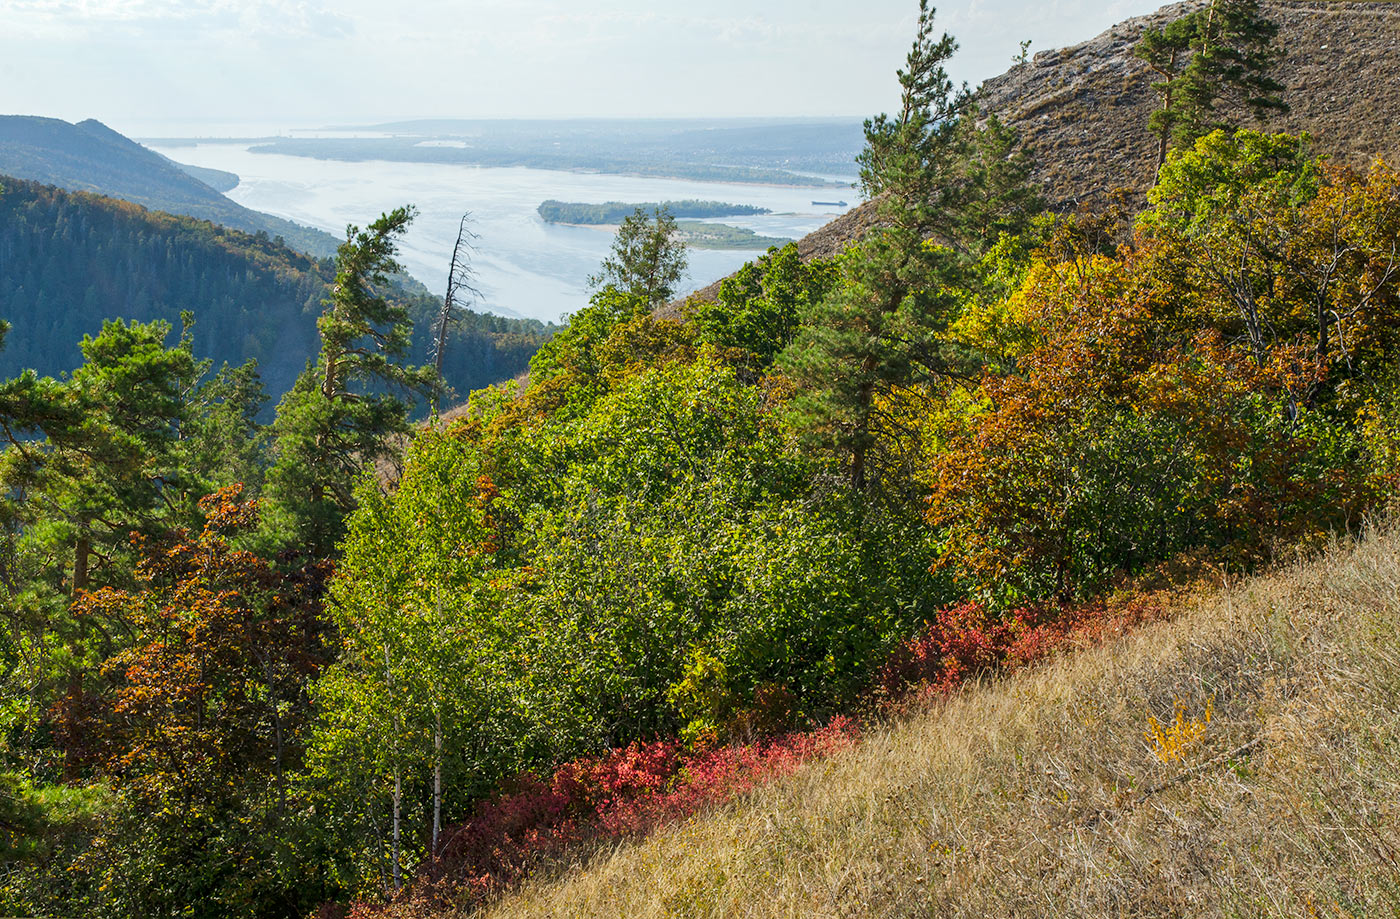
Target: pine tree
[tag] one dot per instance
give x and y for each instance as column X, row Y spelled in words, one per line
column 341, row 415
column 948, row 185
column 1210, row 61
column 1230, row 71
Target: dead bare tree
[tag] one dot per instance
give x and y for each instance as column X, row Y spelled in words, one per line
column 461, row 286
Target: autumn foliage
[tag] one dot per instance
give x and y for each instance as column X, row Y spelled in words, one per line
column 593, row 800
column 1204, row 386
column 696, row 547
column 534, row 823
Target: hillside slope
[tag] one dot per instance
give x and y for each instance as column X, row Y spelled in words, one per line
column 1082, row 111
column 1268, row 784
column 68, row 261
column 89, row 156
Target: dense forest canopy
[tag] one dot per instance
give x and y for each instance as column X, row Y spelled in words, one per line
column 69, row 261
column 269, row 670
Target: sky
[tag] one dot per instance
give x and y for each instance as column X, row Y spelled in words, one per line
column 163, row 67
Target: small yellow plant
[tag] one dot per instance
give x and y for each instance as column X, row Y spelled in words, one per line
column 1171, row 741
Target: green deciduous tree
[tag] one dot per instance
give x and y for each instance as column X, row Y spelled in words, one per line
column 419, row 700
column 647, row 259
column 759, row 310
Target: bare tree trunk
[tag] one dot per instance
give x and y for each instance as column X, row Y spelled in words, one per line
column 398, row 810
column 1166, row 107
column 437, row 738
column 80, row 563
column 460, row 280
column 398, row 773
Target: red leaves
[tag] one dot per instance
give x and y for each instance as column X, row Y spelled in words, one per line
column 637, row 788
column 967, row 640
column 622, row 793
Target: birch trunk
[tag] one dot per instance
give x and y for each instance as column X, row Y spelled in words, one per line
column 437, row 779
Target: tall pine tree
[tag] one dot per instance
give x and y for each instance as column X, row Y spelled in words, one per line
column 948, row 185
column 348, row 411
column 1214, row 63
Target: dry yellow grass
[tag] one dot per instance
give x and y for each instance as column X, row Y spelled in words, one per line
column 1048, row 794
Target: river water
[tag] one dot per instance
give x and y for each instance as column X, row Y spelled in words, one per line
column 524, row 266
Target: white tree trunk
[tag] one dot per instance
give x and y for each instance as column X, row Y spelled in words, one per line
column 398, row 774
column 437, row 779
column 398, row 799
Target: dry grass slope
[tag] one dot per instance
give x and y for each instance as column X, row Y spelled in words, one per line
column 1044, row 795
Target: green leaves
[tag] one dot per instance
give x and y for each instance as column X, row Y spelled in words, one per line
column 1217, row 184
column 1214, row 63
column 759, row 310
column 338, row 419
column 647, row 259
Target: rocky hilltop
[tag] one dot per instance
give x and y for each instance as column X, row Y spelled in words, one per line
column 1082, row 111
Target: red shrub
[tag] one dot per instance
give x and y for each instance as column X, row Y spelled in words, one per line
column 625, row 792
column 966, row 640
column 632, row 790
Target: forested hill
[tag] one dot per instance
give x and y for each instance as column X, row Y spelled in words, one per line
column 70, row 260
column 89, row 156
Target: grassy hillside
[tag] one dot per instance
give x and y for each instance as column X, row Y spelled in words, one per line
column 1052, row 794
column 89, row 156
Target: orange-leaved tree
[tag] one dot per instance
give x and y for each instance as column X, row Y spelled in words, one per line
column 205, row 722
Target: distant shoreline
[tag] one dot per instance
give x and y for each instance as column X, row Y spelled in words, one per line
column 392, row 149
column 605, row 227
column 756, row 244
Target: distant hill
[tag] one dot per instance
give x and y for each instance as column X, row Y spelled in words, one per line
column 1082, row 111
column 799, row 152
column 217, row 179
column 89, row 156
column 70, row 260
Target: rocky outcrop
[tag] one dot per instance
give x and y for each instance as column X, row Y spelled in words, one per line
column 1082, row 111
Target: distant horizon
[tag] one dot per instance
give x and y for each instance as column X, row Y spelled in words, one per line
column 401, row 123
column 215, row 68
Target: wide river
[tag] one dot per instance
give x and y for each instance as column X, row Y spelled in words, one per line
column 524, row 266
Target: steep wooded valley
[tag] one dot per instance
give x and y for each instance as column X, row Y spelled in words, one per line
column 69, row 261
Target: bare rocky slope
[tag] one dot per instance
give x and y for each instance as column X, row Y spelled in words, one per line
column 1082, row 111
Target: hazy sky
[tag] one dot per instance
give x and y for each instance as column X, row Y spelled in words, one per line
column 142, row 65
